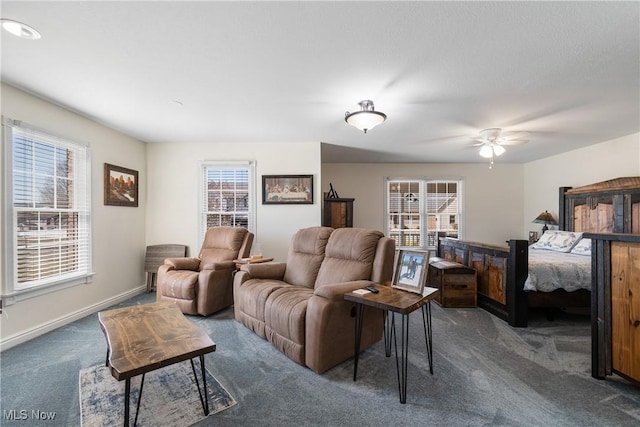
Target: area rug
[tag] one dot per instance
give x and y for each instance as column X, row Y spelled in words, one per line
column 169, row 397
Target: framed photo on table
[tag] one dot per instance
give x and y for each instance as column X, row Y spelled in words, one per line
column 410, row 271
column 287, row 189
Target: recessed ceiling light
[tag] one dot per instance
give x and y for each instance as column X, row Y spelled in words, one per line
column 19, row 29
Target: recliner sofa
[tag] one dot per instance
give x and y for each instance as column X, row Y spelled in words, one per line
column 299, row 305
column 204, row 285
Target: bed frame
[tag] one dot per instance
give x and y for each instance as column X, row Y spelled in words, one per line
column 611, row 206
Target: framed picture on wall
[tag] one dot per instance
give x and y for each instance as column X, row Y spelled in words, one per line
column 287, row 189
column 120, row 186
column 410, row 272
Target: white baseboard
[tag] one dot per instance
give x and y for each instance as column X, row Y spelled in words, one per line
column 29, row 334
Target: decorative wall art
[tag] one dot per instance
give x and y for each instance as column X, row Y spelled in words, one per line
column 287, row 189
column 120, row 186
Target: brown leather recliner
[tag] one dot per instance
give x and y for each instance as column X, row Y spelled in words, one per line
column 204, row 285
column 299, row 305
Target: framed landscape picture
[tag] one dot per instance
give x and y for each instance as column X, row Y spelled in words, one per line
column 287, row 189
column 120, row 186
column 410, row 272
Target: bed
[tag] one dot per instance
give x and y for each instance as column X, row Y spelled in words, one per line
column 510, row 279
column 550, row 270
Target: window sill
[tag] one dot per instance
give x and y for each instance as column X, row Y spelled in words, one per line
column 25, row 294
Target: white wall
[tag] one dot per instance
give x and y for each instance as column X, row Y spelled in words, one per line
column 543, row 178
column 492, row 198
column 172, row 204
column 118, row 232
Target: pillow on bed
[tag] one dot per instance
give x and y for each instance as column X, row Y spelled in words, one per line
column 557, row 240
column 583, row 247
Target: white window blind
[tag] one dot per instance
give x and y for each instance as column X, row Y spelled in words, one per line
column 228, row 196
column 49, row 223
column 417, row 209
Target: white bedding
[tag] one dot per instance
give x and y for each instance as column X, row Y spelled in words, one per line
column 551, row 270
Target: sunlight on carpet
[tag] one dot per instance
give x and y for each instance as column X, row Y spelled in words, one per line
column 169, row 397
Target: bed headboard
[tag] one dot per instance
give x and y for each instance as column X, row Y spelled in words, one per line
column 611, row 206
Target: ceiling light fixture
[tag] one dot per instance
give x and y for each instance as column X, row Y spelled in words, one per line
column 19, row 29
column 365, row 119
column 491, row 149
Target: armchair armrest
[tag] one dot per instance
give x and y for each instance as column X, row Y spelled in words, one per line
column 336, row 291
column 183, row 263
column 220, row 265
column 267, row 270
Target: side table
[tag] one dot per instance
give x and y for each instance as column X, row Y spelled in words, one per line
column 242, row 261
column 401, row 302
column 143, row 338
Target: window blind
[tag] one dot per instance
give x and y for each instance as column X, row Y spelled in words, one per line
column 419, row 208
column 50, row 191
column 227, row 196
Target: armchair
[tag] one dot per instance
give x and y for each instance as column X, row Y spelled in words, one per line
column 204, row 285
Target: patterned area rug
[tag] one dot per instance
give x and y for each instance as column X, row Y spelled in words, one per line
column 169, row 397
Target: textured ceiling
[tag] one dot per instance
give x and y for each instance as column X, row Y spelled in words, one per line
column 568, row 73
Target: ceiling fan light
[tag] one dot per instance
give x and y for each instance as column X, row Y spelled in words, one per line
column 486, row 152
column 498, row 149
column 19, row 29
column 365, row 119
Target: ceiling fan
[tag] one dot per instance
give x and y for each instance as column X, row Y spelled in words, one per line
column 492, row 142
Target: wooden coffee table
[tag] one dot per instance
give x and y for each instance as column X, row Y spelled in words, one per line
column 146, row 337
column 395, row 301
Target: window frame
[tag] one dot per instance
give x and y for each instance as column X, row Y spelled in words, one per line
column 250, row 165
column 423, row 183
column 10, row 291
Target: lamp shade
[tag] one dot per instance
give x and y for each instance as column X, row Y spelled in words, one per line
column 486, row 152
column 365, row 119
column 545, row 218
column 498, row 149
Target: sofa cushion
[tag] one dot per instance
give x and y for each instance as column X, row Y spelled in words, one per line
column 305, row 255
column 349, row 256
column 254, row 295
column 181, row 284
column 285, row 319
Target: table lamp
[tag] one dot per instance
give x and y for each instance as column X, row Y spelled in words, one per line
column 546, row 219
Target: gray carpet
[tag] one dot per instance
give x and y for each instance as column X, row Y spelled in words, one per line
column 485, row 373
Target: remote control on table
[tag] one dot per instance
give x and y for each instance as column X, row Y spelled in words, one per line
column 372, row 289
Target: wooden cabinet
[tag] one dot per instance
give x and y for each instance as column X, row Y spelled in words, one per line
column 615, row 305
column 338, row 212
column 456, row 282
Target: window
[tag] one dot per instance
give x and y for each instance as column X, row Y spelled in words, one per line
column 417, row 209
column 47, row 216
column 228, row 196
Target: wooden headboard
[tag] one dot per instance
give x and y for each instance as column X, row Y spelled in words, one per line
column 611, row 206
